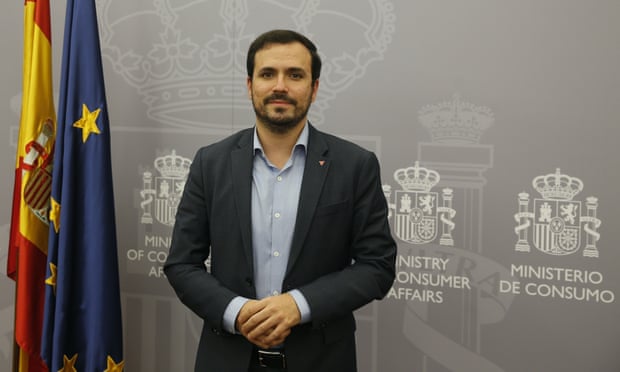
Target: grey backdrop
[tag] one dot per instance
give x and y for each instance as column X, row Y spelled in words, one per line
column 496, row 272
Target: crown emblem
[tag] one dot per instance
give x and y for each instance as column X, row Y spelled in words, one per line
column 557, row 221
column 193, row 79
column 557, row 186
column 456, row 121
column 418, row 213
column 173, row 165
column 416, row 178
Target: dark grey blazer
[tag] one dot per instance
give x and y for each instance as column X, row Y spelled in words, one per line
column 342, row 255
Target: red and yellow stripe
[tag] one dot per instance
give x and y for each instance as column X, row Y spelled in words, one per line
column 29, row 231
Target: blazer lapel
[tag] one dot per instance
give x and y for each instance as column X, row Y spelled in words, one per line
column 242, row 163
column 315, row 172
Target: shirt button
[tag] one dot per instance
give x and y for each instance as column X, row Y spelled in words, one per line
column 279, row 178
column 277, row 215
column 276, row 254
column 275, row 293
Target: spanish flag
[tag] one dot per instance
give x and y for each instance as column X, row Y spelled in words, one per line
column 33, row 168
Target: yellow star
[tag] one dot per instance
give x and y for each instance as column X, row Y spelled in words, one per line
column 55, row 214
column 68, row 364
column 52, row 279
column 88, row 122
column 113, row 367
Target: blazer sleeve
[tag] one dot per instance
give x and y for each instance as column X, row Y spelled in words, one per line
column 372, row 251
column 190, row 247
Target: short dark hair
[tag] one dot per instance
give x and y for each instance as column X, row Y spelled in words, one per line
column 283, row 37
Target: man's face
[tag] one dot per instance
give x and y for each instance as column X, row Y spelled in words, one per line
column 281, row 87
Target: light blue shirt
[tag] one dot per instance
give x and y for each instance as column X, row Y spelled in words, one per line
column 275, row 198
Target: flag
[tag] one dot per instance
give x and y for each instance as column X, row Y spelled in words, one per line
column 26, row 262
column 82, row 328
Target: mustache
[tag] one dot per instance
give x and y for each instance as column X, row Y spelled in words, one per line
column 280, row 97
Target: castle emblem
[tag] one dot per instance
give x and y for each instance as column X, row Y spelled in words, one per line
column 557, row 220
column 164, row 192
column 37, row 160
column 416, row 212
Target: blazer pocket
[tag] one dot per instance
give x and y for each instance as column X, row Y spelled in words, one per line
column 324, row 210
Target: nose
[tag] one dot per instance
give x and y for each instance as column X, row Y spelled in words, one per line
column 280, row 85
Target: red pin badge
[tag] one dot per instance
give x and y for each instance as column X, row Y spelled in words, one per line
column 321, row 162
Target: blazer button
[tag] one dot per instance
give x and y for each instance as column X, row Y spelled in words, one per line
column 248, row 281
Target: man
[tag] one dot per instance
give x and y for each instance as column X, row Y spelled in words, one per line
column 295, row 223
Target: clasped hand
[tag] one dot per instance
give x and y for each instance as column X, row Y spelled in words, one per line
column 267, row 322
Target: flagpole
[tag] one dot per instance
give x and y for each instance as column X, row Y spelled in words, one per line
column 16, row 349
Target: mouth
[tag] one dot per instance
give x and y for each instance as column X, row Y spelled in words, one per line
column 279, row 101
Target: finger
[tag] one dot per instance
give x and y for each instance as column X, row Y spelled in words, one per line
column 260, row 341
column 248, row 310
column 272, row 336
column 279, row 314
column 277, row 335
column 256, row 323
column 267, row 344
column 261, row 325
column 273, row 340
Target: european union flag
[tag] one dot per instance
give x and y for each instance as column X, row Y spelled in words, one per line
column 82, row 327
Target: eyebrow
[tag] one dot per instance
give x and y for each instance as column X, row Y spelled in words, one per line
column 289, row 70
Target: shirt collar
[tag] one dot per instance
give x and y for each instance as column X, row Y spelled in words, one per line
column 302, row 140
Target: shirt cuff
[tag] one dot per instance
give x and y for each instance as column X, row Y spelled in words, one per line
column 302, row 305
column 231, row 312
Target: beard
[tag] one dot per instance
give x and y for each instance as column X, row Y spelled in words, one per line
column 279, row 121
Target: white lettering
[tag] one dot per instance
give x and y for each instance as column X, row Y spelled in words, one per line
column 157, row 256
column 156, row 271
column 410, row 294
column 433, row 280
column 569, row 293
column 155, row 241
column 421, row 262
column 557, row 274
column 135, row 254
column 509, row 287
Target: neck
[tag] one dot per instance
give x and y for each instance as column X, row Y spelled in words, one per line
column 278, row 145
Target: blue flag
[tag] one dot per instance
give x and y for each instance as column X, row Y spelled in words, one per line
column 82, row 326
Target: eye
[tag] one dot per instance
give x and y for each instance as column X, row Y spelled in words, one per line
column 296, row 76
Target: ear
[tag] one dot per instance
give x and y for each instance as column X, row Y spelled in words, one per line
column 248, row 83
column 315, row 89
